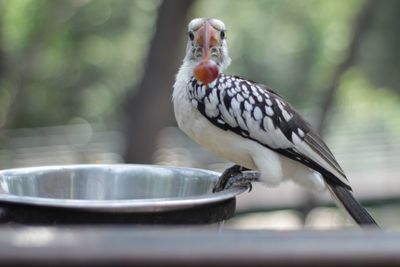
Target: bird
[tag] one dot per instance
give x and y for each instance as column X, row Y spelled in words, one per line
column 250, row 124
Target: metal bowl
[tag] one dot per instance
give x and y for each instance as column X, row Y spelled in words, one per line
column 113, row 194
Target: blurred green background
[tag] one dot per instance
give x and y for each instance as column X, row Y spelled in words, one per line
column 90, row 82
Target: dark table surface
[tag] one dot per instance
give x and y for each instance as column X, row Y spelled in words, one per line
column 193, row 246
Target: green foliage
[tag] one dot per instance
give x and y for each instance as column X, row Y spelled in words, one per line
column 78, row 58
column 371, row 107
column 379, row 56
column 72, row 58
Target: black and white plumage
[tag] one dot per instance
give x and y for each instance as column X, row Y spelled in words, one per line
column 251, row 125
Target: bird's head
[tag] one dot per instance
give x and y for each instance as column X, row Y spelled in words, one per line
column 207, row 49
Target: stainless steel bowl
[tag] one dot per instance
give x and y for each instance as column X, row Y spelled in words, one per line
column 111, row 189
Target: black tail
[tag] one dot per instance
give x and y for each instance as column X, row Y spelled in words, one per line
column 351, row 205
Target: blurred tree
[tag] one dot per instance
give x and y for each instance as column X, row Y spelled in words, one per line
column 379, row 53
column 371, row 78
column 67, row 59
column 362, row 25
column 1, row 40
column 60, row 60
column 148, row 108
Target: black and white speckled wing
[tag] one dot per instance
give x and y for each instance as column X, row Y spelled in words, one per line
column 256, row 112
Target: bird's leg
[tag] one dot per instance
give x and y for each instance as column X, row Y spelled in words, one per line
column 234, row 176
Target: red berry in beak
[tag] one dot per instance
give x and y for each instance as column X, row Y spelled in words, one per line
column 206, row 71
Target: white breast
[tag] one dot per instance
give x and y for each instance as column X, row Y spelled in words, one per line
column 223, row 143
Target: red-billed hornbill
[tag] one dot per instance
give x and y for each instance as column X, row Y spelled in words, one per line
column 250, row 124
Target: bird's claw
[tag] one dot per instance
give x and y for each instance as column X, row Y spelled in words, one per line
column 234, row 176
column 225, row 176
column 243, row 180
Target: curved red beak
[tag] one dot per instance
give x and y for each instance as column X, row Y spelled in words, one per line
column 206, row 70
column 206, row 38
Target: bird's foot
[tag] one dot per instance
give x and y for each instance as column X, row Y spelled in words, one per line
column 225, row 176
column 243, row 179
column 234, row 176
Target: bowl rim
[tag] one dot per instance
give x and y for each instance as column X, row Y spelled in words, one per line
column 124, row 205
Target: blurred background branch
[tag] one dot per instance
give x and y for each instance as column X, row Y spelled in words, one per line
column 361, row 26
column 148, row 108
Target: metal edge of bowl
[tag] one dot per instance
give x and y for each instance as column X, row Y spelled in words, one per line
column 134, row 205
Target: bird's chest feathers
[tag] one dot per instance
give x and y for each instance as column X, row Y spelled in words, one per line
column 189, row 119
column 224, row 143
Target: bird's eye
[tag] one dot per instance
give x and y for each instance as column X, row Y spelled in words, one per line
column 191, row 36
column 222, row 35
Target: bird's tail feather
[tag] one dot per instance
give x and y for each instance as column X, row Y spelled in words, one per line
column 345, row 199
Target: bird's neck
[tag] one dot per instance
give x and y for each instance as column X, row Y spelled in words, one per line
column 185, row 72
